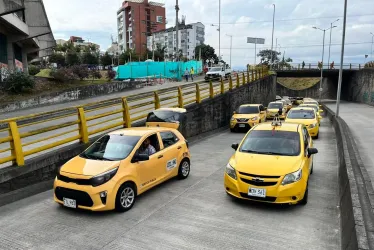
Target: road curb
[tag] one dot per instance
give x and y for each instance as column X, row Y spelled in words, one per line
column 355, row 190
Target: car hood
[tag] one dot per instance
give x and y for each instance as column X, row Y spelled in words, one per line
column 213, row 73
column 82, row 166
column 301, row 121
column 259, row 164
column 246, row 116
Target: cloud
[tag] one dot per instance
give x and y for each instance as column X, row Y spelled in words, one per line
column 96, row 19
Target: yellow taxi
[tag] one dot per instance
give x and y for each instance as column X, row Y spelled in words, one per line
column 121, row 165
column 306, row 116
column 247, row 116
column 276, row 108
column 316, row 108
column 272, row 164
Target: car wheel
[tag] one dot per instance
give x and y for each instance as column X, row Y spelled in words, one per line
column 126, row 197
column 184, row 170
column 304, row 201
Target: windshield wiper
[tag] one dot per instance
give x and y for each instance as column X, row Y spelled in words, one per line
column 263, row 153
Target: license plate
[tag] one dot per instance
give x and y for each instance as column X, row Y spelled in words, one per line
column 241, row 125
column 70, row 203
column 257, row 192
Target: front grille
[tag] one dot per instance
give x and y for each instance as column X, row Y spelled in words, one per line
column 66, row 179
column 267, row 198
column 258, row 184
column 260, row 176
column 247, row 126
column 242, row 120
column 82, row 198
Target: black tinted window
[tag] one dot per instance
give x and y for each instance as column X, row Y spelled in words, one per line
column 248, row 110
column 168, row 139
column 163, row 116
column 272, row 143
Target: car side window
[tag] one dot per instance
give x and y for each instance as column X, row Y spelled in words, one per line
column 306, row 138
column 150, row 145
column 168, row 139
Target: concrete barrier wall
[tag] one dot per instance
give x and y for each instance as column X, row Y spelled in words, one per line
column 359, row 87
column 356, row 211
column 78, row 93
column 204, row 118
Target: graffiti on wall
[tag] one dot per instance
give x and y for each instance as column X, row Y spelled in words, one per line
column 19, row 66
column 368, row 97
column 4, row 72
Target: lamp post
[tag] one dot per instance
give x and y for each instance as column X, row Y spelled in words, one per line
column 372, row 40
column 341, row 61
column 323, row 52
column 272, row 38
column 328, row 61
column 177, row 29
column 219, row 28
column 230, row 48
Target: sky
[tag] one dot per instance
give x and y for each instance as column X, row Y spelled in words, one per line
column 95, row 20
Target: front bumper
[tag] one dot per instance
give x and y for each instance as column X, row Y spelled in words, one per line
column 278, row 194
column 243, row 125
column 87, row 197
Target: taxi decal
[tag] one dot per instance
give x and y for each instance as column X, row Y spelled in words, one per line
column 146, row 183
column 171, row 164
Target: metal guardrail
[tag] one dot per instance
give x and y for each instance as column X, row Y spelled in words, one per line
column 312, row 66
column 33, row 134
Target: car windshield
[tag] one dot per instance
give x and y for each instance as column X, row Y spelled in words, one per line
column 215, row 69
column 111, row 148
column 275, row 106
column 248, row 110
column 163, row 116
column 270, row 142
column 301, row 114
column 309, row 106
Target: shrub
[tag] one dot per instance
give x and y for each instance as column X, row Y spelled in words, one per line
column 81, row 72
column 95, row 74
column 111, row 74
column 369, row 64
column 33, row 70
column 63, row 75
column 18, row 82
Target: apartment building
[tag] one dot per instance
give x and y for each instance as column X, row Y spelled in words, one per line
column 190, row 36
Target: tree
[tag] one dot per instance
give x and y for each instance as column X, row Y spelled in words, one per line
column 267, row 55
column 81, row 72
column 72, row 58
column 127, row 55
column 59, row 59
column 285, row 63
column 207, row 52
column 95, row 74
column 106, row 59
column 90, row 58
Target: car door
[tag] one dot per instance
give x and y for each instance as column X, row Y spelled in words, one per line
column 172, row 151
column 150, row 172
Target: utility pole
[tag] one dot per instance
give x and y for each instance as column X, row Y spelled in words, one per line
column 328, row 61
column 219, row 31
column 177, row 29
column 372, row 40
column 341, row 61
column 272, row 38
column 230, row 48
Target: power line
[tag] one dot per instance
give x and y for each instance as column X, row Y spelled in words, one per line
column 295, row 19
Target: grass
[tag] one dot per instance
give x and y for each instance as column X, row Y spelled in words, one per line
column 298, row 83
column 44, row 73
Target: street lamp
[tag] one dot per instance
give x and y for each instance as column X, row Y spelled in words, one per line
column 323, row 52
column 328, row 61
column 341, row 61
column 372, row 40
column 219, row 28
column 272, row 38
column 230, row 47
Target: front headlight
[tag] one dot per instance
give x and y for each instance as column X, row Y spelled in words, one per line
column 254, row 118
column 313, row 125
column 292, row 177
column 103, row 178
column 232, row 119
column 230, row 171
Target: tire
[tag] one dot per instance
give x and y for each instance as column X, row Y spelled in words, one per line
column 126, row 197
column 304, row 201
column 184, row 170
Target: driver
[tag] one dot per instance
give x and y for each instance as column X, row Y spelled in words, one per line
column 147, row 148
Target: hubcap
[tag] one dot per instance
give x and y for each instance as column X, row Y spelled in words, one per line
column 185, row 168
column 127, row 197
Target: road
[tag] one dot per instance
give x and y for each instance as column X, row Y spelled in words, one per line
column 360, row 119
column 194, row 213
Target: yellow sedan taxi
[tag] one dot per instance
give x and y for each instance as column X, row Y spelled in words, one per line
column 272, row 164
column 306, row 116
column 121, row 165
column 247, row 116
column 273, row 109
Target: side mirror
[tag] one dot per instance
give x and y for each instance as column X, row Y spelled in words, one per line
column 312, row 151
column 139, row 157
column 234, row 112
column 235, row 146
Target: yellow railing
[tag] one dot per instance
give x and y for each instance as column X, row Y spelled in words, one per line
column 30, row 135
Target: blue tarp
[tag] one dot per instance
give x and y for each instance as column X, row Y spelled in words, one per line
column 176, row 70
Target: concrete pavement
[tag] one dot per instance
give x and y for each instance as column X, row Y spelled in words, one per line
column 191, row 214
column 360, row 120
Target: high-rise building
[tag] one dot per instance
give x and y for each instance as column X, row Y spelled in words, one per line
column 190, row 36
column 136, row 20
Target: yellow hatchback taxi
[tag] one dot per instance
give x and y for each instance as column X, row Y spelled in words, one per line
column 273, row 110
column 272, row 164
column 316, row 108
column 306, row 116
column 121, row 165
column 247, row 116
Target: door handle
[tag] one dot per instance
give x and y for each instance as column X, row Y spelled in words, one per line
column 160, row 156
column 179, row 147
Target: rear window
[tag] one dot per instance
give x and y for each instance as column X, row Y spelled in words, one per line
column 275, row 106
column 272, row 143
column 163, row 116
column 301, row 114
column 248, row 110
column 311, row 106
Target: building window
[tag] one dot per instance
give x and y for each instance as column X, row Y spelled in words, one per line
column 188, row 40
column 3, row 49
column 188, row 53
column 188, row 46
column 159, row 19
